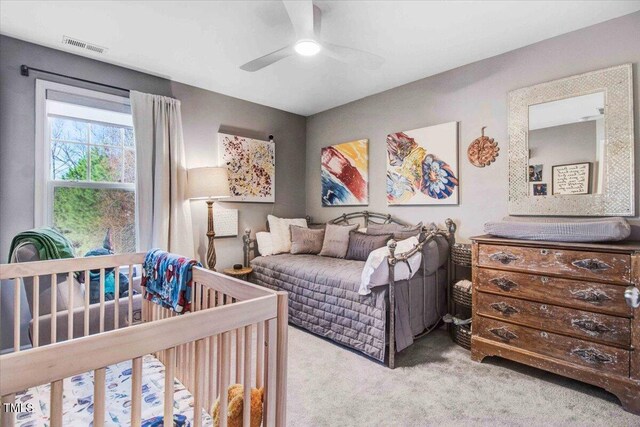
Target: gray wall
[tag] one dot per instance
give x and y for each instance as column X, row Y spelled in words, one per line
column 475, row 95
column 203, row 114
column 562, row 145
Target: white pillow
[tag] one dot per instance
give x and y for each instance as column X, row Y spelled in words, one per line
column 376, row 269
column 280, row 233
column 265, row 243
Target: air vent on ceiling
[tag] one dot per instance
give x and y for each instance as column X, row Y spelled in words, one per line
column 83, row 45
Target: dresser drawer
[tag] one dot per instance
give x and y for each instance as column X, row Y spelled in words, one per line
column 574, row 350
column 591, row 296
column 592, row 326
column 597, row 266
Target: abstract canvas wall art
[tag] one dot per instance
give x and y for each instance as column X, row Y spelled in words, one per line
column 422, row 166
column 252, row 168
column 345, row 174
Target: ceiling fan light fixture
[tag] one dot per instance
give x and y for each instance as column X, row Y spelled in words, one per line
column 307, row 47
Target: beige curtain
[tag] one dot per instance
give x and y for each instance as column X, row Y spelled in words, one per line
column 163, row 215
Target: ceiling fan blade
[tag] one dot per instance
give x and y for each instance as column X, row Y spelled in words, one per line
column 305, row 18
column 349, row 55
column 267, row 59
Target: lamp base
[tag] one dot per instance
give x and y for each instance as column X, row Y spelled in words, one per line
column 211, row 249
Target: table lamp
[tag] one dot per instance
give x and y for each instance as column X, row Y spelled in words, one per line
column 209, row 183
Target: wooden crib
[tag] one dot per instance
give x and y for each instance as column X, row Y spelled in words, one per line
column 236, row 333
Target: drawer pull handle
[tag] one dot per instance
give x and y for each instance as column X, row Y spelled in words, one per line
column 503, row 333
column 503, row 257
column 632, row 296
column 591, row 264
column 504, row 284
column 544, row 252
column 591, row 355
column 504, row 308
column 544, row 280
column 593, row 296
column 592, row 327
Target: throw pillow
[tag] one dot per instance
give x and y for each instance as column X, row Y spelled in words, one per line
column 400, row 232
column 306, row 240
column 280, row 233
column 336, row 240
column 361, row 244
column 265, row 243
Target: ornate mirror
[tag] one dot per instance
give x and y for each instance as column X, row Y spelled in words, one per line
column 571, row 146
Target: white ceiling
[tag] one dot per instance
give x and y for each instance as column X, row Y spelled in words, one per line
column 204, row 43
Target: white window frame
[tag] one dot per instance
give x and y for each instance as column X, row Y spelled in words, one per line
column 44, row 184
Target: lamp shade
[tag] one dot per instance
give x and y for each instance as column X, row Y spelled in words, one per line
column 208, row 183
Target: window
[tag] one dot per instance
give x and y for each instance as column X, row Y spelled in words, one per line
column 87, row 175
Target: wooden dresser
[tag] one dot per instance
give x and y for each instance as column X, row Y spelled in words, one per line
column 560, row 307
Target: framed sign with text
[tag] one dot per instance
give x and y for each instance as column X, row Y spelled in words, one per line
column 571, row 179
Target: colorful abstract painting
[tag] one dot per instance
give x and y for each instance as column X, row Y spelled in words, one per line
column 252, row 168
column 345, row 174
column 422, row 166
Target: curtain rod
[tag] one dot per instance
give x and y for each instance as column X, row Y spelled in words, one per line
column 24, row 71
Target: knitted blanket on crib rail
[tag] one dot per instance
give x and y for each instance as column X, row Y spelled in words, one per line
column 167, row 279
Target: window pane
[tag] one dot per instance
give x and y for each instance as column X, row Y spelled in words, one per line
column 106, row 164
column 129, row 166
column 68, row 161
column 129, row 140
column 85, row 214
column 107, row 135
column 69, row 130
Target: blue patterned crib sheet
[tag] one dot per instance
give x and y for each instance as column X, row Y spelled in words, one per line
column 77, row 403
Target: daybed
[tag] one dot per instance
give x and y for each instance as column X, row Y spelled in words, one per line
column 171, row 366
column 324, row 298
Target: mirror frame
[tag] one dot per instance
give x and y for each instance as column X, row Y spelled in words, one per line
column 618, row 189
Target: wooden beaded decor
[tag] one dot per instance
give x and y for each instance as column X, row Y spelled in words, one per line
column 483, row 151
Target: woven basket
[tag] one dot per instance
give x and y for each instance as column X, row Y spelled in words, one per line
column 461, row 254
column 461, row 296
column 462, row 335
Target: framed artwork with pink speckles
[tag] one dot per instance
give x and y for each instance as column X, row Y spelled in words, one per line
column 251, row 164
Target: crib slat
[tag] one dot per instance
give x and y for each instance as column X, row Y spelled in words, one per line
column 87, row 292
column 260, row 355
column 8, row 418
column 16, row 315
column 116, row 306
column 70, row 306
column 136, row 392
column 56, row 404
column 224, row 384
column 198, row 389
column 54, row 308
column 239, row 355
column 130, row 314
column 212, row 371
column 99, row 397
column 270, row 380
column 169, row 375
column 246, row 408
column 36, row 311
column 101, row 300
column 196, row 300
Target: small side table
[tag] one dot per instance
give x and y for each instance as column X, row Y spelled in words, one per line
column 242, row 273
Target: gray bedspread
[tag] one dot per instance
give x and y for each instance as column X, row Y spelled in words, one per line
column 324, row 299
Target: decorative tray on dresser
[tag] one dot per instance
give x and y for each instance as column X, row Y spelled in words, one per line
column 560, row 307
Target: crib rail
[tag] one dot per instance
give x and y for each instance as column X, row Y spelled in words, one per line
column 27, row 277
column 236, row 333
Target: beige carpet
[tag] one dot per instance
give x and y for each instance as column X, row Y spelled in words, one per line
column 436, row 384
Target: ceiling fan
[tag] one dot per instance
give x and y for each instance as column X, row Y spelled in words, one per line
column 306, row 18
